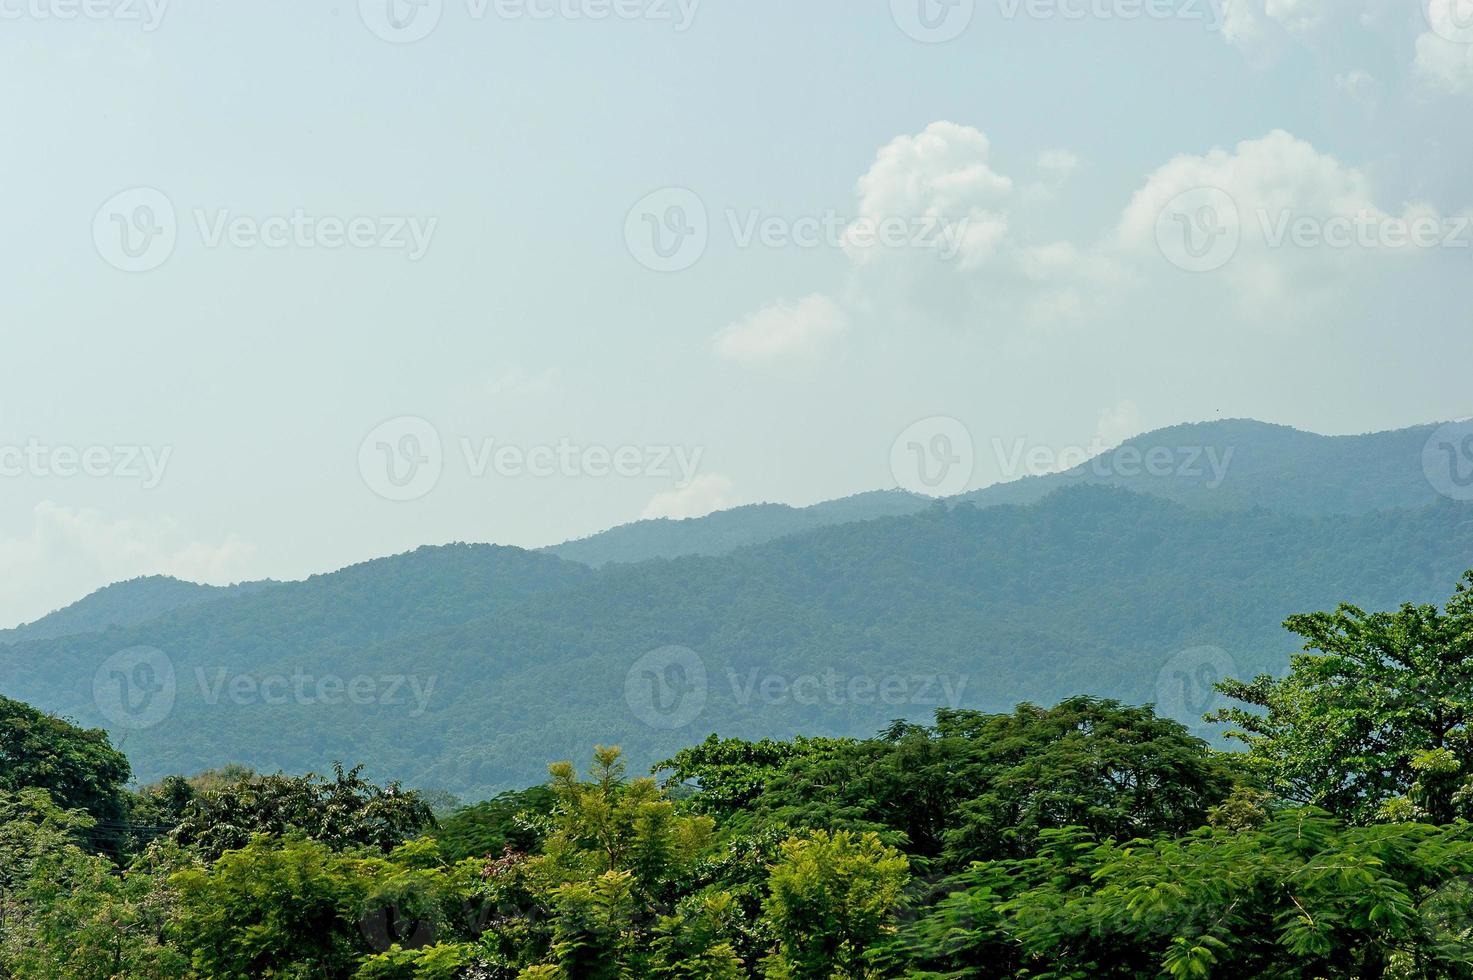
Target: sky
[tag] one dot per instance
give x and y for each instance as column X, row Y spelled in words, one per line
column 289, row 286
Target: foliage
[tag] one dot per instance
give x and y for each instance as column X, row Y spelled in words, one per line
column 973, row 786
column 77, row 767
column 832, row 900
column 1377, row 722
column 275, row 908
column 513, row 820
column 1088, row 591
column 1087, row 840
column 343, row 812
column 1305, row 896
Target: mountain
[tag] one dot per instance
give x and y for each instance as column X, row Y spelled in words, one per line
column 1220, row 465
column 725, row 531
column 1241, row 463
column 465, row 668
column 125, row 604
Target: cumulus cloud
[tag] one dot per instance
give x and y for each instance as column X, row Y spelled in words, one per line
column 1117, row 424
column 69, row 552
column 1358, row 84
column 706, row 493
column 803, row 329
column 1445, row 53
column 1279, row 224
column 1058, row 165
column 938, row 181
column 971, row 257
column 1263, row 28
column 1296, row 220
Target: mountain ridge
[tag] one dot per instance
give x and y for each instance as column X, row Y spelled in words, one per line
column 500, row 658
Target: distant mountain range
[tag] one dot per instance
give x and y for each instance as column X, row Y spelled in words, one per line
column 725, row 531
column 466, row 667
column 1226, row 465
column 127, row 603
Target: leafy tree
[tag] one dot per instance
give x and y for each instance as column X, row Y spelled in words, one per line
column 66, row 914
column 82, row 920
column 344, row 812
column 611, row 823
column 732, row 774
column 513, row 820
column 1373, row 722
column 78, row 767
column 616, row 856
column 974, row 785
column 276, row 908
column 833, row 899
column 1303, row 897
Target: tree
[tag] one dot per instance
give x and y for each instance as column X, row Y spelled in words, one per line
column 1304, row 896
column 344, row 812
column 276, row 908
column 833, row 899
column 78, row 767
column 617, row 857
column 514, row 820
column 66, row 914
column 1373, row 721
column 974, row 786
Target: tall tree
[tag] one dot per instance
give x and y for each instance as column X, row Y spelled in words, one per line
column 1373, row 720
column 78, row 767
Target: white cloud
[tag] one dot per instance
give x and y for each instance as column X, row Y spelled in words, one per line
column 803, row 329
column 1445, row 53
column 70, row 552
column 982, row 267
column 1274, row 186
column 1359, row 85
column 1058, row 165
column 1118, row 424
column 940, row 176
column 706, row 493
column 1262, row 28
column 1006, row 278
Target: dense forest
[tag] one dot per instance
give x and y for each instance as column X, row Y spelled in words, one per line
column 490, row 660
column 1224, row 465
column 1087, row 839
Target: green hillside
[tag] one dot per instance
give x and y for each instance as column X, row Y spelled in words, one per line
column 1241, row 463
column 125, row 604
column 1220, row 465
column 725, row 531
column 505, row 658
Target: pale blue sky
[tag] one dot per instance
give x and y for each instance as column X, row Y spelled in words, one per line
column 523, row 144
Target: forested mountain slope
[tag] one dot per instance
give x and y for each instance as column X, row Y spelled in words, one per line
column 1221, row 465
column 500, row 659
column 125, row 604
column 727, row 530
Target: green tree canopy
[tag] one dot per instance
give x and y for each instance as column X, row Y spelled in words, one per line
column 78, row 767
column 1373, row 721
